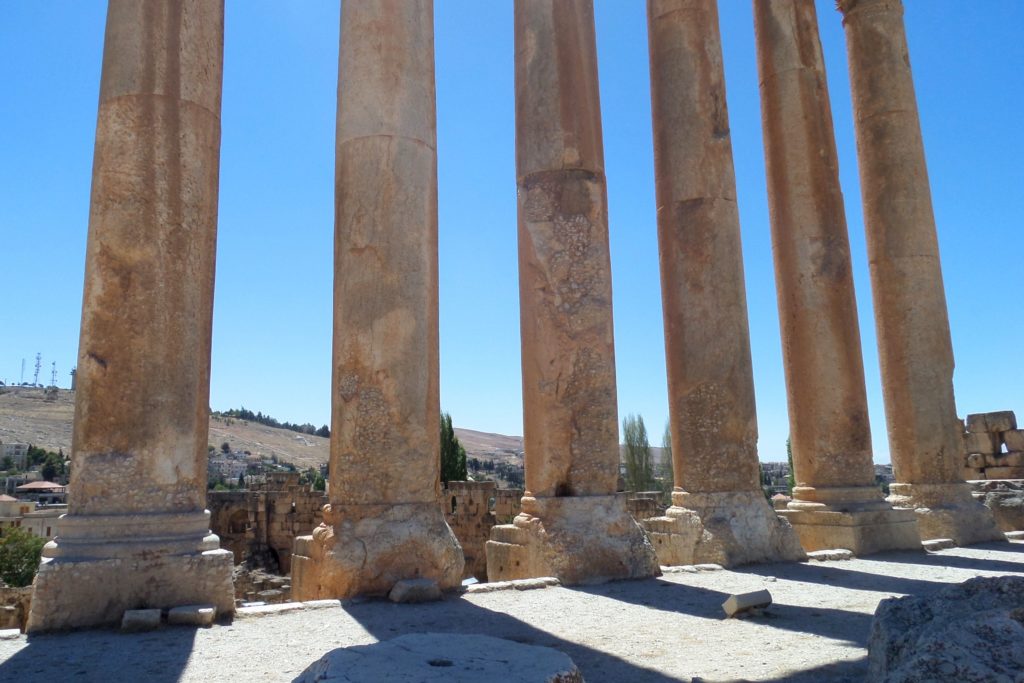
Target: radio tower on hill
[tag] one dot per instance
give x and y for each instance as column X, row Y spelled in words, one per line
column 39, row 364
column 53, row 375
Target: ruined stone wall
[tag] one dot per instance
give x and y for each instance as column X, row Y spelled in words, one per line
column 260, row 525
column 993, row 446
column 14, row 605
column 507, row 504
column 467, row 509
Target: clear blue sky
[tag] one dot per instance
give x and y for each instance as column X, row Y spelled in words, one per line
column 272, row 318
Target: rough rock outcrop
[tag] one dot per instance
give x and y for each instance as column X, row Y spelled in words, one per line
column 973, row 631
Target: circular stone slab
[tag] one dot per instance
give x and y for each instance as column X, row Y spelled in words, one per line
column 443, row 657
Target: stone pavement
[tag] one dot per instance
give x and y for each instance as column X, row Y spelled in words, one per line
column 670, row 628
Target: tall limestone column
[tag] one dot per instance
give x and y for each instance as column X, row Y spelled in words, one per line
column 384, row 522
column 719, row 513
column 137, row 533
column 915, row 349
column 836, row 503
column 573, row 524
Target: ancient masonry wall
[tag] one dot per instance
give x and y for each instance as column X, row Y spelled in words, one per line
column 986, row 435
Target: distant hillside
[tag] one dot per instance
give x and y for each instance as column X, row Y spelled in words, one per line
column 26, row 417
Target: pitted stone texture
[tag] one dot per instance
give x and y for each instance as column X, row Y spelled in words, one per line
column 711, row 389
column 831, row 436
column 947, row 511
column 578, row 540
column 141, row 410
column 968, row 632
column 78, row 593
column 728, row 529
column 915, row 349
column 455, row 657
column 367, row 549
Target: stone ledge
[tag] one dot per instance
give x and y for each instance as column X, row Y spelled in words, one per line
column 516, row 584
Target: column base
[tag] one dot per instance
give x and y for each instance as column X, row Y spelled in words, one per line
column 857, row 519
column 101, row 565
column 367, row 549
column 729, row 528
column 947, row 511
column 577, row 539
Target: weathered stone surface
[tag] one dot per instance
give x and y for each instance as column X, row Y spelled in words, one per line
column 367, row 549
column 711, row 389
column 1014, row 439
column 976, row 460
column 570, row 418
column 1004, row 472
column 737, row 605
column 462, row 658
column 577, row 539
column 519, row 585
column 915, row 349
column 947, row 511
column 994, row 422
column 466, row 506
column 728, row 529
column 138, row 485
column 968, row 632
column 383, row 523
column 1006, row 501
column 832, row 555
column 192, row 615
column 936, row 544
column 829, row 427
column 982, row 442
column 415, row 590
column 140, row 620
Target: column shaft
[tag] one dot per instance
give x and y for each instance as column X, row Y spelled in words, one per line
column 573, row 525
column 136, row 527
column 707, row 339
column 828, row 413
column 383, row 523
column 915, row 349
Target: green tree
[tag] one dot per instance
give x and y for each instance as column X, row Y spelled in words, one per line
column 52, row 467
column 791, row 477
column 319, row 484
column 7, row 464
column 225, row 448
column 453, row 455
column 667, row 466
column 639, row 470
column 19, row 556
column 241, row 480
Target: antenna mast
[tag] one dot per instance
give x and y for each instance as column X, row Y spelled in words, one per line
column 39, row 364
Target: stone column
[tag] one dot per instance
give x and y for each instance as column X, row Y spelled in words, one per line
column 383, row 522
column 136, row 533
column 573, row 524
column 915, row 350
column 719, row 513
column 836, row 503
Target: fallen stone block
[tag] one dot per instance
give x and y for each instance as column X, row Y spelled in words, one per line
column 708, row 567
column 934, row 544
column 1014, row 439
column 999, row 421
column 140, row 620
column 981, row 442
column 967, row 632
column 192, row 615
column 1015, row 535
column 744, row 603
column 833, row 555
column 415, row 590
column 456, row 657
column 10, row 634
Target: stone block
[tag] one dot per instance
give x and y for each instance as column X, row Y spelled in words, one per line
column 1011, row 459
column 935, row 544
column 415, row 590
column 140, row 620
column 993, row 460
column 1000, row 421
column 1004, row 473
column 1014, row 439
column 192, row 615
column 743, row 603
column 976, row 460
column 971, row 474
column 981, row 442
column 10, row 634
column 832, row 555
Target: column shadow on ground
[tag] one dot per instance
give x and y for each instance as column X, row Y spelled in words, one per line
column 102, row 655
column 462, row 616
column 1014, row 562
column 696, row 601
column 836, row 574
